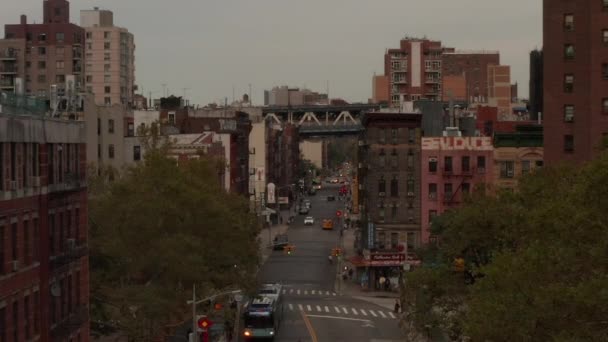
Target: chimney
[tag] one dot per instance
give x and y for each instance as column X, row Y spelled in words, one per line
column 23, row 19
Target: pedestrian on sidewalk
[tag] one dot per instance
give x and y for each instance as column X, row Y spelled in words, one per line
column 397, row 306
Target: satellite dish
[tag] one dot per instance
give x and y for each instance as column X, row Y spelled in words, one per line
column 55, row 290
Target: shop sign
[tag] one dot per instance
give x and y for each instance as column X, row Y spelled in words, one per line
column 283, row 200
column 393, row 259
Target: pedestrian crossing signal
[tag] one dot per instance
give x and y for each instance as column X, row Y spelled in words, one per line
column 288, row 249
column 336, row 252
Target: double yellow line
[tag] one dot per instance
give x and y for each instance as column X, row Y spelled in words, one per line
column 311, row 331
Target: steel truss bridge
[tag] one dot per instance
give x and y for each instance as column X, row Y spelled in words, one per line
column 324, row 120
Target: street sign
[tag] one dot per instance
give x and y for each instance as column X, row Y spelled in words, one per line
column 338, row 213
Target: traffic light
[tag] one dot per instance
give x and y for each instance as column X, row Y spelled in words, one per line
column 204, row 323
column 218, row 306
column 288, row 249
column 336, row 252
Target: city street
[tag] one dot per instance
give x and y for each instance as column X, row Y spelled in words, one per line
column 313, row 311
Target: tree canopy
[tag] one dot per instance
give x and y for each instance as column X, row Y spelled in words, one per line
column 536, row 262
column 156, row 230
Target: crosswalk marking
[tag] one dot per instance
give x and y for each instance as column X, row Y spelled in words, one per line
column 305, row 292
column 291, row 307
column 300, row 307
column 363, row 312
column 392, row 315
column 298, row 291
column 354, row 311
column 345, row 311
column 333, row 294
column 308, row 308
column 290, row 291
column 373, row 313
column 318, row 308
column 326, row 309
column 337, row 310
column 382, row 314
column 327, row 293
column 313, row 292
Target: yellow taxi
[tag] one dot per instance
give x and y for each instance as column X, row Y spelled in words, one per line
column 328, row 224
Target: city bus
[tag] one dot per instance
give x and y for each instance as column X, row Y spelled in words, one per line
column 263, row 314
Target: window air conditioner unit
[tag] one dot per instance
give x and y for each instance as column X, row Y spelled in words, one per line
column 510, row 173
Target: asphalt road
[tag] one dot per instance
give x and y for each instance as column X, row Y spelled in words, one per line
column 312, row 310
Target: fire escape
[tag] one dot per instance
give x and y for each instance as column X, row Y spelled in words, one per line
column 462, row 177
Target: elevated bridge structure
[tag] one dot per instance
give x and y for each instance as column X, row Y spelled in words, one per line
column 322, row 120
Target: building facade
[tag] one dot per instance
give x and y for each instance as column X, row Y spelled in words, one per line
column 380, row 89
column 286, row 96
column 414, row 70
column 575, row 72
column 52, row 53
column 44, row 269
column 517, row 154
column 389, row 192
column 110, row 59
column 451, row 168
column 473, row 67
column 536, row 84
column 499, row 90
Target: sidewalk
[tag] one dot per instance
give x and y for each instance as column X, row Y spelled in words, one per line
column 351, row 288
column 266, row 239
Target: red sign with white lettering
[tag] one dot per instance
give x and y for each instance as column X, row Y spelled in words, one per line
column 393, row 259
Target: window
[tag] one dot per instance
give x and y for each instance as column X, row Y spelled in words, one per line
column 395, row 187
column 89, row 35
column 525, row 167
column 107, row 89
column 41, row 65
column 411, row 135
column 568, row 83
column 110, row 126
column 447, row 191
column 15, row 320
column 111, row 151
column 107, row 101
column 568, row 113
column 394, row 136
column 14, row 246
column 605, row 5
column 433, row 164
column 569, row 51
column 59, row 51
column 447, row 164
column 410, row 160
column 410, row 187
column 26, row 242
column 41, row 78
column 381, row 135
column 381, row 158
column 59, row 64
column 59, row 36
column 395, row 98
column 432, row 216
column 568, row 143
column 106, row 46
column 394, row 240
column 381, row 213
column 394, row 211
column 28, row 65
column 605, row 105
column 106, row 35
column 605, row 37
column 466, row 163
column 466, row 188
column 381, row 240
column 89, row 78
column 538, row 163
column 569, row 22
column 381, row 186
column 42, row 37
column 481, row 164
column 2, row 243
column 394, row 159
column 106, row 68
column 26, row 317
column 107, row 78
column 507, row 169
column 411, row 242
column 41, row 50
column 89, row 46
column 136, row 153
column 433, row 191
column 89, row 90
column 59, row 78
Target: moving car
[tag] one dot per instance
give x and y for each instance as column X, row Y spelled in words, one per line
column 309, row 221
column 280, row 241
column 303, row 210
column 308, row 204
column 312, row 192
column 328, row 224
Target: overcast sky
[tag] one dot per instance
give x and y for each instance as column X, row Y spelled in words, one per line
column 213, row 46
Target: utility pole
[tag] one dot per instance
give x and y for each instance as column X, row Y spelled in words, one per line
column 194, row 325
column 250, row 96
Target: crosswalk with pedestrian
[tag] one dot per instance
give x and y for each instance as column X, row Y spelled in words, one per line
column 341, row 310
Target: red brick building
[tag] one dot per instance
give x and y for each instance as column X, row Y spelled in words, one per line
column 44, row 272
column 53, row 51
column 575, row 64
column 473, row 66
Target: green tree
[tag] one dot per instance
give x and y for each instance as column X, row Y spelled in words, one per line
column 158, row 229
column 538, row 258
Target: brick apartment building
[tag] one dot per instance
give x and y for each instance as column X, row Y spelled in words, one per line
column 44, row 271
column 389, row 192
column 575, row 84
column 470, row 71
column 283, row 153
column 451, row 168
column 35, row 56
column 517, row 154
column 414, row 70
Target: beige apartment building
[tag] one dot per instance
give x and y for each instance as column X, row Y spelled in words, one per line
column 110, row 58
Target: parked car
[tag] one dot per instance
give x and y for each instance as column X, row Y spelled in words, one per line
column 309, row 221
column 331, row 198
column 280, row 241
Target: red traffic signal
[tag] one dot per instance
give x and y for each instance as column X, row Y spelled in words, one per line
column 218, row 306
column 339, row 213
column 204, row 323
